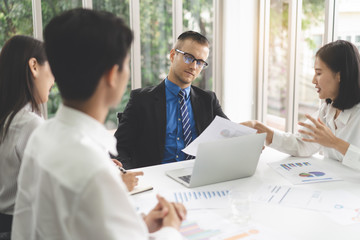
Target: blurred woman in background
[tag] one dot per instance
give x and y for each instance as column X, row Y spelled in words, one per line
column 25, row 83
column 335, row 127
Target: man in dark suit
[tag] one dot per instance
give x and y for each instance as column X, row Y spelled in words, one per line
column 158, row 122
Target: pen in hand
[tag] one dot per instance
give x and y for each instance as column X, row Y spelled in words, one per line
column 119, row 165
column 122, row 169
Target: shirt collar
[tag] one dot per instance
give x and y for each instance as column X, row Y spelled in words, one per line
column 329, row 113
column 28, row 107
column 344, row 115
column 175, row 89
column 88, row 126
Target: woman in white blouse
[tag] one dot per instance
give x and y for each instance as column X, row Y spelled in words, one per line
column 335, row 127
column 25, row 82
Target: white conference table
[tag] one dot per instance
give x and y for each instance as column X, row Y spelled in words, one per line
column 295, row 222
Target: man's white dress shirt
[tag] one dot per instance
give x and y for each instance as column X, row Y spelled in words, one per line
column 70, row 189
column 11, row 154
column 346, row 126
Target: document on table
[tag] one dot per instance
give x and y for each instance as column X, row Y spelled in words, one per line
column 220, row 128
column 345, row 208
column 290, row 196
column 303, row 170
column 204, row 199
column 338, row 205
column 200, row 199
column 205, row 224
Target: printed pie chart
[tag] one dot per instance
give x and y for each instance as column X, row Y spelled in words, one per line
column 312, row 174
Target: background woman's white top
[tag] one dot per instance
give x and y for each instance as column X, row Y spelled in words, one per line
column 11, row 153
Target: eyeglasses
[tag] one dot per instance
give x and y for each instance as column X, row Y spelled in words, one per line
column 188, row 59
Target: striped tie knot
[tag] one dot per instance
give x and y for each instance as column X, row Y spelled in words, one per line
column 182, row 94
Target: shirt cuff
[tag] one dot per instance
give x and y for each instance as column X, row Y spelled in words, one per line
column 352, row 157
column 166, row 233
column 277, row 140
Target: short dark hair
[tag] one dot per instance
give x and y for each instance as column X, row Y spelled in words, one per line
column 192, row 35
column 343, row 57
column 16, row 79
column 83, row 44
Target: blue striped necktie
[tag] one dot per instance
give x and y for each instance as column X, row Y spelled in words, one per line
column 185, row 120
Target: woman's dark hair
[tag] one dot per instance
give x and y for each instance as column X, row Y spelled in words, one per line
column 83, row 44
column 16, row 79
column 343, row 57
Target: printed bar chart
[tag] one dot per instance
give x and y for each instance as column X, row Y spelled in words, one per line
column 191, row 230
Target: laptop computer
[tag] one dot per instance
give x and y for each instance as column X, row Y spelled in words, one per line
column 222, row 160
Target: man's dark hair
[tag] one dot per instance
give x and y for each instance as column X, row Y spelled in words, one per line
column 83, row 44
column 192, row 35
column 16, row 80
column 343, row 57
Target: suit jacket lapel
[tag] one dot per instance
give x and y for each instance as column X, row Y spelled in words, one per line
column 160, row 112
column 197, row 110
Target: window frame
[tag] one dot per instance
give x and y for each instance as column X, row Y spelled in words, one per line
column 295, row 13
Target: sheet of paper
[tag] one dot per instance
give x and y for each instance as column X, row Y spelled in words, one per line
column 206, row 199
column 203, row 224
column 144, row 203
column 345, row 209
column 302, row 171
column 339, row 205
column 291, row 196
column 200, row 199
column 219, row 128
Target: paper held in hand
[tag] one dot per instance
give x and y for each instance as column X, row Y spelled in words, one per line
column 219, row 128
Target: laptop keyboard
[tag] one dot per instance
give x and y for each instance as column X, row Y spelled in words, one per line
column 186, row 178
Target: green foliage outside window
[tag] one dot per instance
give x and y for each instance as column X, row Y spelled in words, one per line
column 52, row 8
column 156, row 40
column 121, row 9
column 313, row 14
column 15, row 18
column 198, row 16
column 313, row 11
